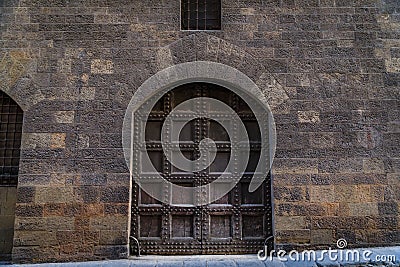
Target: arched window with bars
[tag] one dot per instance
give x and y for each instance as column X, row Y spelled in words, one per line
column 11, row 119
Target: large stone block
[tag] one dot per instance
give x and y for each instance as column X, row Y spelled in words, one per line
column 350, row 165
column 115, row 223
column 25, row 194
column 30, row 224
column 322, row 193
column 291, row 194
column 388, row 208
column 344, row 193
column 322, row 236
column 58, row 140
column 86, row 194
column 27, row 254
column 290, row 222
column 29, row 210
column 295, row 166
column 35, row 238
column 102, row 66
column 116, row 209
column 374, row 165
column 309, row 116
column 291, row 179
column 93, row 210
column 64, row 116
column 363, row 209
column 289, row 236
column 33, row 140
column 113, row 237
column 54, row 209
column 54, row 194
column 111, row 251
column 294, row 209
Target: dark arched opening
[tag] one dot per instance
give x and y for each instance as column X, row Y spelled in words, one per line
column 11, row 119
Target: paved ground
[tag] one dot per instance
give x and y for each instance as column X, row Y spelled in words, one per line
column 244, row 260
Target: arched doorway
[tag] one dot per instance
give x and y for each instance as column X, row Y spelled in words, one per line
column 239, row 222
column 11, row 118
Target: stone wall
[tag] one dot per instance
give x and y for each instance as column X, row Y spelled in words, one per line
column 330, row 70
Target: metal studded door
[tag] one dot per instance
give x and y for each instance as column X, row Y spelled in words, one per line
column 237, row 223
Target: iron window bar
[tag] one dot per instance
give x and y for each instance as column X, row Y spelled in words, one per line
column 201, row 15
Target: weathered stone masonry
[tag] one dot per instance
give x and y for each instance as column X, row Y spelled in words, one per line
column 330, row 69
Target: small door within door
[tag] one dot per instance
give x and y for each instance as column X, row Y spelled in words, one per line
column 237, row 223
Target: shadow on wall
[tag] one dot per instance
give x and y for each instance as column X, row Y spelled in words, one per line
column 7, row 216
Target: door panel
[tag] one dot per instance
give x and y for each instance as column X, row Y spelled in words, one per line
column 237, row 223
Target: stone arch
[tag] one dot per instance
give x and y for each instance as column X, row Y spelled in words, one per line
column 205, row 47
column 209, row 48
column 14, row 80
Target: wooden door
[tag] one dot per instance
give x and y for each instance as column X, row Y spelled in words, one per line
column 237, row 223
